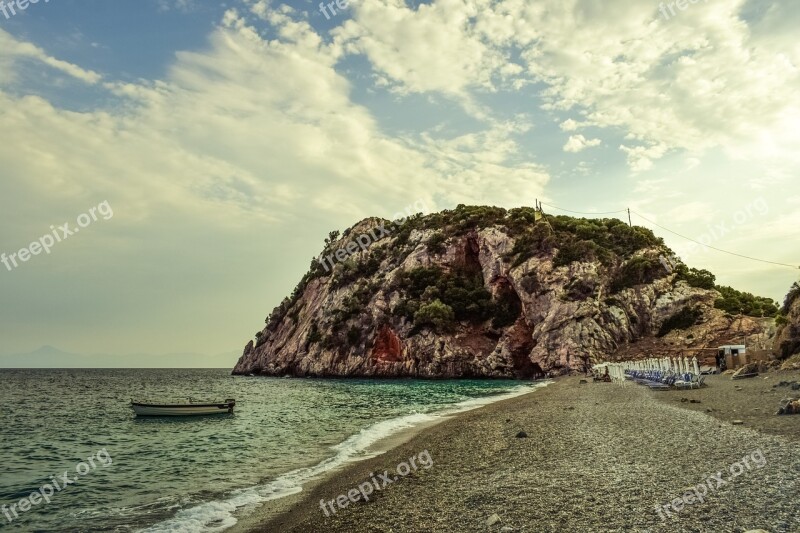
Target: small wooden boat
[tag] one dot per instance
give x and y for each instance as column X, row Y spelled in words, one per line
column 191, row 408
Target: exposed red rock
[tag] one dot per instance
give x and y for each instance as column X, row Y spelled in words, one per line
column 387, row 347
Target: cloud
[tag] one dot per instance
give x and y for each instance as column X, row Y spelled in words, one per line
column 578, row 143
column 641, row 158
column 703, row 80
column 569, row 125
column 12, row 50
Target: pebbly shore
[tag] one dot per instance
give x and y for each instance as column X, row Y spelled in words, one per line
column 597, row 457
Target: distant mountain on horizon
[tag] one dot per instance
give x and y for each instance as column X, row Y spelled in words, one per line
column 51, row 357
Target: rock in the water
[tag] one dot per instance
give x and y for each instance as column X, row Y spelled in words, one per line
column 492, row 520
column 522, row 435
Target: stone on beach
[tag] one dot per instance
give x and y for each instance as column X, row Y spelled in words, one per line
column 615, row 442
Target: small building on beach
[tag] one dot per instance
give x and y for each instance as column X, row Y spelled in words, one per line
column 735, row 355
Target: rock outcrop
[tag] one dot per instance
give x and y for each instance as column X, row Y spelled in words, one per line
column 485, row 292
column 787, row 341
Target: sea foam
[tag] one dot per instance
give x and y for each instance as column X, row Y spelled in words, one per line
column 215, row 516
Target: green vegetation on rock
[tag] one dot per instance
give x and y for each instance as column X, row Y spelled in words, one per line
column 436, row 314
column 736, row 302
column 637, row 271
column 685, row 318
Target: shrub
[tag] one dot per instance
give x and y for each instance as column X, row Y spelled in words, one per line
column 572, row 251
column 637, row 271
column 436, row 314
column 578, row 289
column 314, row 335
column 794, row 293
column 353, row 336
column 435, row 243
column 538, row 240
column 685, row 318
column 699, row 278
column 735, row 302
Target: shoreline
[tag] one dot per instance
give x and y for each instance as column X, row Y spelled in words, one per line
column 598, row 457
column 269, row 510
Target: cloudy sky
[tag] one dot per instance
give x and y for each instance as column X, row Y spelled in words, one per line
column 228, row 139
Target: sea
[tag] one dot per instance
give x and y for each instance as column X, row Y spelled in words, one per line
column 193, row 474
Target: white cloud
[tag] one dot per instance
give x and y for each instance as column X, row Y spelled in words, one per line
column 641, row 158
column 578, row 143
column 569, row 125
column 12, row 50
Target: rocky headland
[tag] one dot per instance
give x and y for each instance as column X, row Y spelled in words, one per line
column 495, row 293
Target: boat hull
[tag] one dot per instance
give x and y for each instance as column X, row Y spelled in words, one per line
column 182, row 410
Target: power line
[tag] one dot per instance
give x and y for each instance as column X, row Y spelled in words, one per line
column 673, row 232
column 713, row 247
column 582, row 212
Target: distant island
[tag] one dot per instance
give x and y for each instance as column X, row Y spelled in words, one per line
column 493, row 293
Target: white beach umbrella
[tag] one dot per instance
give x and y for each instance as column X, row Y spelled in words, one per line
column 695, row 366
column 685, row 365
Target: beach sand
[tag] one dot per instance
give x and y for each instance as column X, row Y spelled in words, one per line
column 598, row 457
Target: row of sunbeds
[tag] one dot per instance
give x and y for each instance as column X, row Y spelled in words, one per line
column 665, row 380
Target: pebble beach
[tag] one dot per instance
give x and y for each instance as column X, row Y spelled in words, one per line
column 580, row 457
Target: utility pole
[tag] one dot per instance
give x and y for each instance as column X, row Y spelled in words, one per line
column 629, row 218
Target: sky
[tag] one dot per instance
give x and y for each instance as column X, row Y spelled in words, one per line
column 204, row 150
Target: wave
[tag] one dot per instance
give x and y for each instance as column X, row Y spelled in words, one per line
column 217, row 516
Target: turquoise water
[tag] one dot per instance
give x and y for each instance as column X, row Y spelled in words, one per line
column 192, row 474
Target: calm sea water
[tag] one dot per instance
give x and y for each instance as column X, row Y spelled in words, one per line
column 193, row 474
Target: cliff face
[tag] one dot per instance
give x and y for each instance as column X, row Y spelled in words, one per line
column 482, row 292
column 787, row 342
